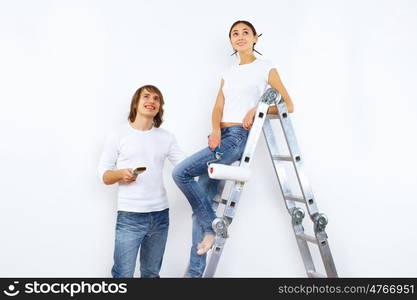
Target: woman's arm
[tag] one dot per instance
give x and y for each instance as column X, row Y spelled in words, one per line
column 216, row 117
column 275, row 81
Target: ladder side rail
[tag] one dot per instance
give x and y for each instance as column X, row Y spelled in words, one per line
column 297, row 161
column 306, row 190
column 281, row 175
column 230, row 207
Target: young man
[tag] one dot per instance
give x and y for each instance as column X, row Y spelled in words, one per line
column 142, row 216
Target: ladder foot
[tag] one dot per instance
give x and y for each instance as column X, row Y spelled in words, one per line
column 314, row 274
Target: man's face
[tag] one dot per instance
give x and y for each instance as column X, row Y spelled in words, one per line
column 149, row 104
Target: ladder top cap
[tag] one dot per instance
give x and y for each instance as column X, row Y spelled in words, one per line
column 271, row 96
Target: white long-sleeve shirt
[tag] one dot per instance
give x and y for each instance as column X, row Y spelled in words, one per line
column 127, row 147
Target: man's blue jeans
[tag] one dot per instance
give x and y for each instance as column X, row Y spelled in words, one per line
column 200, row 194
column 147, row 231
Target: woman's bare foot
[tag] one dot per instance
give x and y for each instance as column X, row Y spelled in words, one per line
column 206, row 244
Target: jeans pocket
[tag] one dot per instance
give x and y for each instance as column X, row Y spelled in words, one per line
column 233, row 141
column 163, row 217
column 131, row 221
column 237, row 138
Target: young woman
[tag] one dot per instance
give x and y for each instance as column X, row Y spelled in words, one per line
column 232, row 117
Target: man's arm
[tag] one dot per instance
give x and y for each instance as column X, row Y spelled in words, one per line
column 175, row 153
column 111, row 176
column 107, row 171
column 121, row 175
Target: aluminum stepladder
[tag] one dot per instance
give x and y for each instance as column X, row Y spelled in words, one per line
column 221, row 224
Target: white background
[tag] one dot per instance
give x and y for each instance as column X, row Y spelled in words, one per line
column 68, row 70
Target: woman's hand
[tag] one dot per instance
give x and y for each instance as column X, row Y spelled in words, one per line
column 215, row 139
column 248, row 119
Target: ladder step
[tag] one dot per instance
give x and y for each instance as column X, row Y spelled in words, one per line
column 271, row 117
column 306, row 237
column 219, row 200
column 282, row 157
column 295, row 198
column 314, row 274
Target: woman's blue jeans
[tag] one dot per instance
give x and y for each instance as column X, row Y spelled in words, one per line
column 200, row 194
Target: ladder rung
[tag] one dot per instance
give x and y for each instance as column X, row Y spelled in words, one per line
column 295, row 198
column 222, row 201
column 316, row 274
column 306, row 237
column 270, row 116
column 282, row 157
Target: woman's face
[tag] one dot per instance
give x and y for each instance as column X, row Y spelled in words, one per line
column 242, row 38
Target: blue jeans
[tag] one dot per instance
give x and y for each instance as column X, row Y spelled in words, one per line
column 197, row 263
column 200, row 194
column 147, row 231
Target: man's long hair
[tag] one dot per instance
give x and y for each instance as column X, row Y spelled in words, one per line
column 157, row 120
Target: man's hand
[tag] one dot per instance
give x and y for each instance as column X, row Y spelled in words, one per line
column 126, row 176
column 248, row 120
column 215, row 139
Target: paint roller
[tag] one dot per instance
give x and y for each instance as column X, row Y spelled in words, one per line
column 225, row 172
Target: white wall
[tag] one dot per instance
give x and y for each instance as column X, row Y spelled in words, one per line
column 68, row 70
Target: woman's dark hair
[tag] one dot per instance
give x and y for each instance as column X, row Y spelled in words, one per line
column 157, row 120
column 249, row 24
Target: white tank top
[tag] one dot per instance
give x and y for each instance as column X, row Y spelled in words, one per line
column 243, row 87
